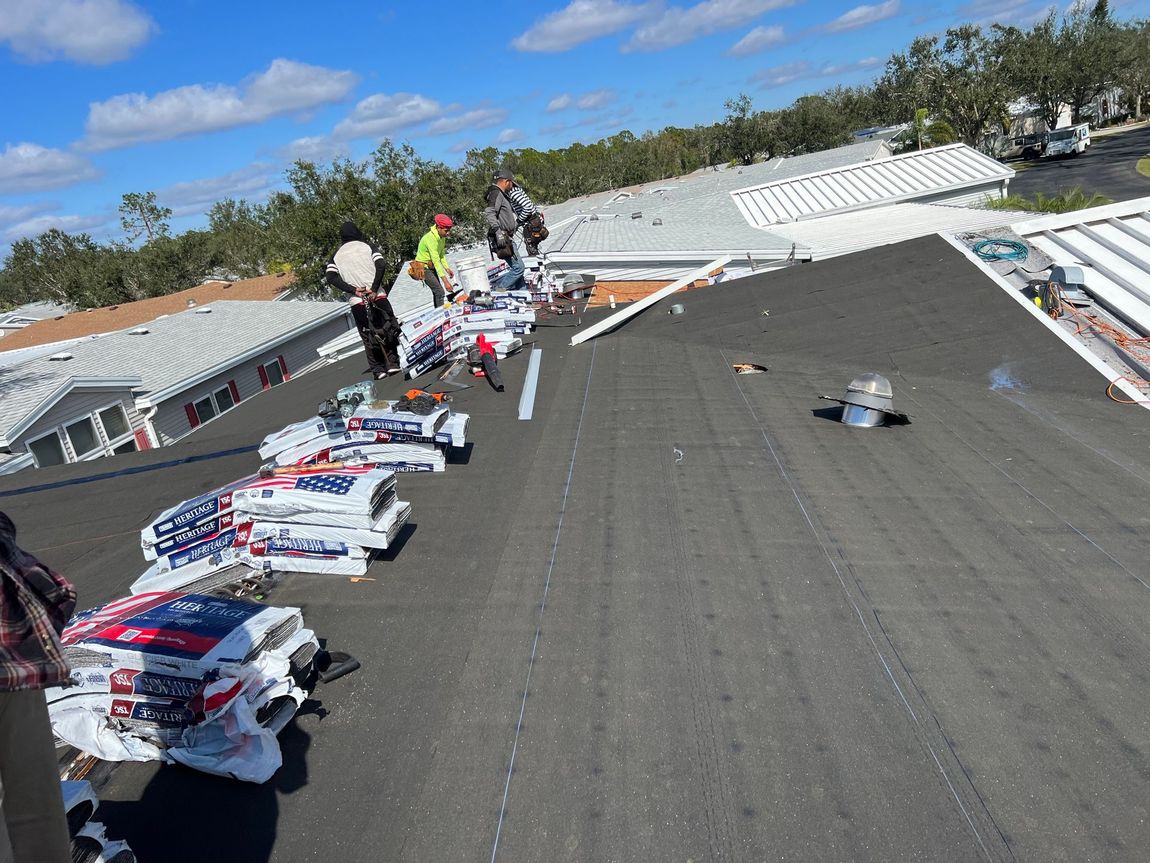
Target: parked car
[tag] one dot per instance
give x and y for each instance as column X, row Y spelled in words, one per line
column 1069, row 141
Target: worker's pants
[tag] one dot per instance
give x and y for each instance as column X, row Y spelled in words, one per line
column 431, row 279
column 513, row 279
column 381, row 352
column 32, row 829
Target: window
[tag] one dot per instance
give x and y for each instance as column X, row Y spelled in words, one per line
column 47, row 450
column 205, row 409
column 126, row 446
column 273, row 374
column 212, row 405
column 82, row 434
column 224, row 400
column 114, row 421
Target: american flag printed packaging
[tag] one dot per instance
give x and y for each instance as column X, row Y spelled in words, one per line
column 396, row 457
column 381, row 534
column 353, row 496
column 184, row 516
column 303, row 438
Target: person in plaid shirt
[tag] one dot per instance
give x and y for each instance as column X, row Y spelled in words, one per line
column 35, row 603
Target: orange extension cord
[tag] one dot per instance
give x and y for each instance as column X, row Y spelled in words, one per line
column 1138, row 348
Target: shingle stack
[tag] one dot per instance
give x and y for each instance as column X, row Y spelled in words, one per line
column 428, row 339
column 202, row 680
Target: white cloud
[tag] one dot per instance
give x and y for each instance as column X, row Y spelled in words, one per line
column 559, row 103
column 381, row 115
column 777, row 76
column 461, row 146
column 69, row 224
column 759, row 40
column 317, row 148
column 553, row 129
column 1020, row 13
column 863, row 16
column 479, row 118
column 86, row 31
column 581, row 21
column 286, row 87
column 195, row 197
column 10, row 215
column 32, row 168
column 508, row 136
column 592, row 101
column 678, row 25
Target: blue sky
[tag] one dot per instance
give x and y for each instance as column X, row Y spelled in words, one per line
column 199, row 100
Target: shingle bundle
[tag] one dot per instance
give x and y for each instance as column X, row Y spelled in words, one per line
column 319, row 504
column 203, row 680
column 429, row 338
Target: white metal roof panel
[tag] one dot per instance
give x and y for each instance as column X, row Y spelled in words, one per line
column 1111, row 244
column 868, row 184
column 854, row 231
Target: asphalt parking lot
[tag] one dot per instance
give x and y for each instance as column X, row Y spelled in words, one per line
column 1107, row 168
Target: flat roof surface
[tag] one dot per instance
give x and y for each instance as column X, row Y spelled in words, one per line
column 698, row 616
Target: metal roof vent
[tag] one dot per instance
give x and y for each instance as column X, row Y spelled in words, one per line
column 205, row 310
column 868, row 402
column 139, row 331
column 637, row 215
column 592, row 218
column 656, row 221
column 60, row 357
column 191, row 304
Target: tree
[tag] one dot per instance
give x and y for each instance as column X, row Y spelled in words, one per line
column 1090, row 44
column 962, row 79
column 140, row 216
column 812, row 123
column 743, row 136
column 1133, row 73
column 1035, row 64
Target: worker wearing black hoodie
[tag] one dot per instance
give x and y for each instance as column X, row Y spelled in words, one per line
column 356, row 268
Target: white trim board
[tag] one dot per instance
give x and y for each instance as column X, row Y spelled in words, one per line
column 609, row 323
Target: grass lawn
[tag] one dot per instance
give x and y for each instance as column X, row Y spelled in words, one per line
column 1143, row 166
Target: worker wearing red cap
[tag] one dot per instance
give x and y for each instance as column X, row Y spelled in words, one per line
column 436, row 272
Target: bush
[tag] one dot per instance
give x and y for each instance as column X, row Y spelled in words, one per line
column 1066, row 201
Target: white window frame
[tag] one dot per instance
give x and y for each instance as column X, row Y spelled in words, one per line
column 59, row 439
column 106, row 445
column 280, row 367
column 211, row 396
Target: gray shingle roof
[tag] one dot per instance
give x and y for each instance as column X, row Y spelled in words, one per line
column 177, row 348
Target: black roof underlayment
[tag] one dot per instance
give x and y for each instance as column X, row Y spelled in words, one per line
column 688, row 615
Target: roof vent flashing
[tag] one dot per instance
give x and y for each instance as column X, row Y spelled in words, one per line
column 868, row 402
column 60, row 357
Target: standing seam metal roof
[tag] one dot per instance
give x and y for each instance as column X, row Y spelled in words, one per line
column 883, row 181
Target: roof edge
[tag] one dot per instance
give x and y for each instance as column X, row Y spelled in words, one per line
column 154, row 398
column 72, row 383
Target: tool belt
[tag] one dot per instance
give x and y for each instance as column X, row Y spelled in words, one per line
column 417, row 270
column 534, row 230
column 504, row 250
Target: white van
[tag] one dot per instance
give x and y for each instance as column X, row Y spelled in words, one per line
column 1069, row 141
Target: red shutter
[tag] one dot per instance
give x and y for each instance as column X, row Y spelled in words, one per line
column 193, row 419
column 283, row 368
column 264, row 382
column 142, row 442
column 235, row 391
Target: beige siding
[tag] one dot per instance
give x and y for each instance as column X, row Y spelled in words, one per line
column 171, row 420
column 76, row 405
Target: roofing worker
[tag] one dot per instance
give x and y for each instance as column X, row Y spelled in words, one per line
column 430, row 253
column 35, row 603
column 356, row 268
column 501, row 226
column 528, row 217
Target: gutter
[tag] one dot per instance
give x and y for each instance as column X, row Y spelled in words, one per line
column 154, row 399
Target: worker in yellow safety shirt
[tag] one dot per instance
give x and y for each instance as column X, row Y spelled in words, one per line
column 436, row 272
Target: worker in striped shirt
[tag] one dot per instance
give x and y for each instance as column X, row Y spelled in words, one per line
column 528, row 217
